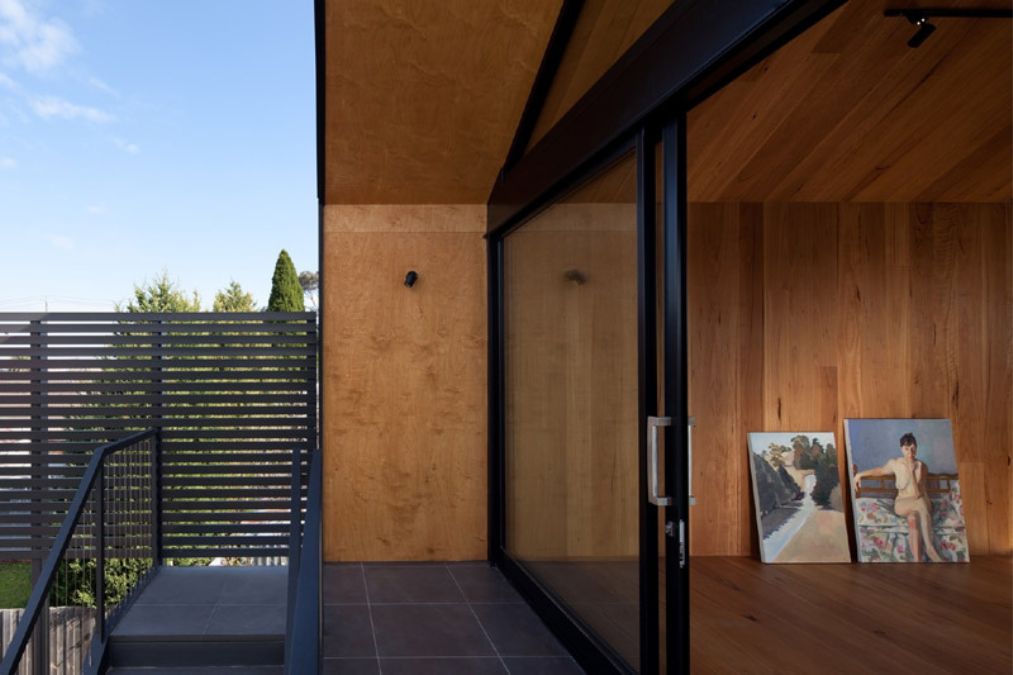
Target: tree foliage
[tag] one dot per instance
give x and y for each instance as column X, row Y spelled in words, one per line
column 309, row 281
column 234, row 299
column 286, row 292
column 162, row 295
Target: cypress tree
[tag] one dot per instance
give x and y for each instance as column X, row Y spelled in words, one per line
column 286, row 292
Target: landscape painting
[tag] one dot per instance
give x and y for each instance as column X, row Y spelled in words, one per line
column 907, row 501
column 798, row 497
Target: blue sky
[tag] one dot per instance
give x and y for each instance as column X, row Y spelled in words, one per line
column 145, row 135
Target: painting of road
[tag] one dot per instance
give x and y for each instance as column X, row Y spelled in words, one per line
column 798, row 498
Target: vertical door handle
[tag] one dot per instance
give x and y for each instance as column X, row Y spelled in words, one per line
column 690, row 423
column 652, row 444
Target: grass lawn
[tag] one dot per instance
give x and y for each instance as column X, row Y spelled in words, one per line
column 15, row 584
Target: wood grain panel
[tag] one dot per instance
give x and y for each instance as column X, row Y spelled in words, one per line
column 726, row 369
column 423, row 98
column 869, row 310
column 848, row 112
column 405, row 398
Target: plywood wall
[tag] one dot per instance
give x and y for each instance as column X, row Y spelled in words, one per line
column 404, row 420
column 802, row 315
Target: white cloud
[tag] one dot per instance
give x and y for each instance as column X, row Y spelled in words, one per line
column 7, row 82
column 96, row 209
column 33, row 42
column 102, row 86
column 129, row 148
column 51, row 106
column 60, row 241
column 8, row 163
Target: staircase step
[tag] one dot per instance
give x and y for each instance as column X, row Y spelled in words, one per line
column 191, row 653
column 216, row 670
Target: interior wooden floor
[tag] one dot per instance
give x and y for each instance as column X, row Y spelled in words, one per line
column 747, row 617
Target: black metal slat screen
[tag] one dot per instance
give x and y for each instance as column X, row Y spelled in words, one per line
column 234, row 395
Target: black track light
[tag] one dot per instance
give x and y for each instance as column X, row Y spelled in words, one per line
column 925, row 29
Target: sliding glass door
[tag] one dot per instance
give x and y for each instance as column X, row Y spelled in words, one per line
column 589, row 293
column 571, row 404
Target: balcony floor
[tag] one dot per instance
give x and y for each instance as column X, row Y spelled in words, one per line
column 408, row 619
column 202, row 602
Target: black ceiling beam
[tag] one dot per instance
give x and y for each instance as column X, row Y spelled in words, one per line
column 693, row 49
column 546, row 75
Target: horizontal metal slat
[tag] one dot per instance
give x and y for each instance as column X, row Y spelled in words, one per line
column 144, row 383
column 227, row 516
column 173, row 505
column 131, row 339
column 231, row 541
column 167, row 368
column 54, row 413
column 226, row 528
column 161, row 356
column 223, row 552
column 166, row 318
column 142, row 326
column 168, row 400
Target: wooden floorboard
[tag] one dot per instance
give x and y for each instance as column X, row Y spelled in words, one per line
column 747, row 617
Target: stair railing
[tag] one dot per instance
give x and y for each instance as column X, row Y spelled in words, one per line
column 107, row 548
column 302, row 638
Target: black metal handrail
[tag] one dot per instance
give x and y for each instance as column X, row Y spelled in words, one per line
column 302, row 639
column 41, row 590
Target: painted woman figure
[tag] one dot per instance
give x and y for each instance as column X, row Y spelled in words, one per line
column 912, row 502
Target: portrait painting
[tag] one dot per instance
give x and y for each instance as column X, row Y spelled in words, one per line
column 905, row 490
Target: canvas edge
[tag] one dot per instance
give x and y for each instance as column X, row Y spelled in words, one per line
column 756, row 496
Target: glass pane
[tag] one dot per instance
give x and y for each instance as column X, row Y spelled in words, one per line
column 570, row 295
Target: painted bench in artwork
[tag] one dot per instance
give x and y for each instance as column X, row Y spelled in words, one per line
column 882, row 535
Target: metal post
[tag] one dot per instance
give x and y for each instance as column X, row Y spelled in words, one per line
column 100, row 555
column 40, row 470
column 156, row 499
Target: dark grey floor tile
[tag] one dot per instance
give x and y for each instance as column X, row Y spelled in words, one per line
column 344, row 584
column 184, row 585
column 247, row 620
column 255, row 586
column 348, row 631
column 443, row 666
column 482, row 583
column 350, row 667
column 184, row 620
column 517, row 631
column 419, row 583
column 542, row 665
column 429, row 630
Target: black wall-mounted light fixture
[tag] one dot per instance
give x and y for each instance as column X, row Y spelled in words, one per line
column 919, row 18
column 411, row 278
column 576, row 276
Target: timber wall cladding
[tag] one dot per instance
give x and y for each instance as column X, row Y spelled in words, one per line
column 804, row 314
column 405, row 383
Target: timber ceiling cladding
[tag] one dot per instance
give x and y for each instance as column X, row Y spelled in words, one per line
column 849, row 112
column 234, row 396
column 423, row 97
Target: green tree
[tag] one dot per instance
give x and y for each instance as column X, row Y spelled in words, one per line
column 162, row 295
column 286, row 292
column 234, row 299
